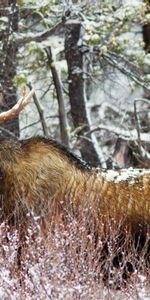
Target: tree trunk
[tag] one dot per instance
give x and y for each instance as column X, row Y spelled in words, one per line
column 8, row 50
column 77, row 95
column 146, row 30
column 146, row 39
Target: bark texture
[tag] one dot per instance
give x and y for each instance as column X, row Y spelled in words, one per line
column 77, row 95
column 146, row 30
column 146, row 39
column 8, row 50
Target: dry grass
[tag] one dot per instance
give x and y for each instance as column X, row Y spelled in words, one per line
column 81, row 257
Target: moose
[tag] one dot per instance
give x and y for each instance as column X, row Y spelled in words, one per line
column 38, row 174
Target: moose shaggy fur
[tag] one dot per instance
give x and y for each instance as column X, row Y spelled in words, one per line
column 41, row 176
column 38, row 173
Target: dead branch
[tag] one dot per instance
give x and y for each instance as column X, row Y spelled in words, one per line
column 40, row 112
column 125, row 134
column 137, row 126
column 37, row 122
column 39, row 37
column 17, row 108
column 127, row 68
column 7, row 132
column 143, row 153
column 61, row 103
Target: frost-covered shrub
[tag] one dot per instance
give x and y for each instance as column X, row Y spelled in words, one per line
column 72, row 261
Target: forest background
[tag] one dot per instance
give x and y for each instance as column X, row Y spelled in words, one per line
column 89, row 64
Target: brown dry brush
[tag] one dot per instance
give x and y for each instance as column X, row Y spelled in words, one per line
column 69, row 263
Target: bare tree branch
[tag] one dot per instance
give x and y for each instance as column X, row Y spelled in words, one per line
column 8, row 132
column 143, row 152
column 38, row 37
column 127, row 68
column 125, row 134
column 40, row 111
column 137, row 126
column 61, row 103
column 37, row 122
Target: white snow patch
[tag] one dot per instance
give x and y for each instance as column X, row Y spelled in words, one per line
column 129, row 174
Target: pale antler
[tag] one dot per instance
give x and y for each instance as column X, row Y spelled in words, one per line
column 22, row 102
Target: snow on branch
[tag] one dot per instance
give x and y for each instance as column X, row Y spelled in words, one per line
column 24, row 39
column 125, row 134
column 127, row 68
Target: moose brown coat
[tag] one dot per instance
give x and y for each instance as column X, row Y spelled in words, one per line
column 37, row 174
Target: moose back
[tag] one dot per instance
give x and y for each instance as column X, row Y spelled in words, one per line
column 38, row 173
